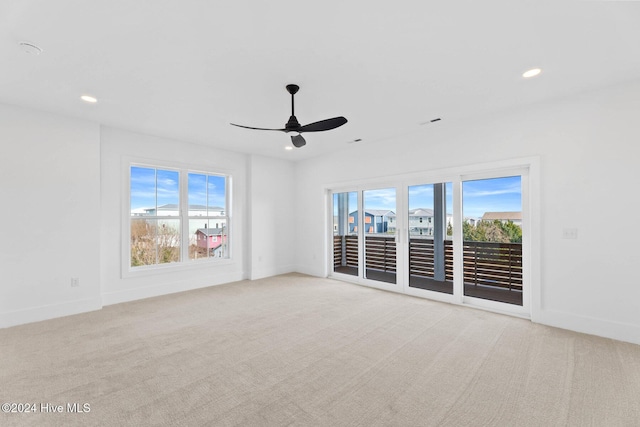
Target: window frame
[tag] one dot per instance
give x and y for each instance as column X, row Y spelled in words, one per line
column 185, row 263
column 156, row 218
column 225, row 217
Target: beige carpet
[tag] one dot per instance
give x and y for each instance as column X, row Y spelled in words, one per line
column 296, row 350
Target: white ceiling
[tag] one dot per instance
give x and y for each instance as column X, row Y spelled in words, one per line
column 185, row 69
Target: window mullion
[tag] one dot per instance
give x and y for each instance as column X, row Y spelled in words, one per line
column 184, row 216
column 157, row 223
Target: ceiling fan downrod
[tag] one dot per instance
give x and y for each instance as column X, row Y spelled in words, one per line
column 293, row 123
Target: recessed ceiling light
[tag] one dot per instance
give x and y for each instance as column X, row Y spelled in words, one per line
column 288, row 148
column 89, row 99
column 30, row 48
column 531, row 73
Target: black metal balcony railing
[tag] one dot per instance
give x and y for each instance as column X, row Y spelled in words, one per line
column 488, row 264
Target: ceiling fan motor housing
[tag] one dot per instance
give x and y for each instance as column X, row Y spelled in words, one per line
column 292, row 124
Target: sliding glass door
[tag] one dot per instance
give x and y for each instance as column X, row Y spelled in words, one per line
column 379, row 230
column 364, row 235
column 346, row 252
column 430, row 228
column 458, row 239
column 492, row 239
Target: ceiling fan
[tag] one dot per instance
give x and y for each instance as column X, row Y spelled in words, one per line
column 293, row 126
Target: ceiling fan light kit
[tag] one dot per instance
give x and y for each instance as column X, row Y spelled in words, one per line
column 293, row 125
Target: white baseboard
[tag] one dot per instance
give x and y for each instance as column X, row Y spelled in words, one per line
column 590, row 325
column 269, row 272
column 46, row 312
column 309, row 271
column 110, row 298
column 584, row 324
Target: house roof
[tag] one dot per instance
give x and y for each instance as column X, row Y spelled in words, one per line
column 210, row 231
column 376, row 212
column 174, row 207
column 421, row 212
column 502, row 216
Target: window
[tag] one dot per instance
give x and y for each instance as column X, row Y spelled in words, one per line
column 155, row 222
column 207, row 216
column 177, row 216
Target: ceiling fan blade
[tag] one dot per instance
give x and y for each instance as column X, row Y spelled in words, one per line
column 248, row 127
column 327, row 124
column 298, row 141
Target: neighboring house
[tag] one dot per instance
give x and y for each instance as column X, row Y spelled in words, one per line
column 202, row 210
column 421, row 222
column 515, row 217
column 375, row 221
column 212, row 239
column 139, row 212
column 472, row 221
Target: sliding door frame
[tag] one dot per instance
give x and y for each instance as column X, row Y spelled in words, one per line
column 361, row 278
column 424, row 293
column 525, row 309
column 529, row 170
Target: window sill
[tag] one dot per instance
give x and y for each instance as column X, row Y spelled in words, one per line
column 191, row 265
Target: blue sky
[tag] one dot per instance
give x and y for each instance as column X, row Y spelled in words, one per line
column 144, row 190
column 149, row 189
column 479, row 196
column 206, row 190
column 491, row 195
column 421, row 196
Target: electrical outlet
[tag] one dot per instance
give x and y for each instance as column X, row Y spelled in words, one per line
column 75, row 282
column 570, row 233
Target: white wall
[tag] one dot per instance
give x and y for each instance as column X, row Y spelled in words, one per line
column 72, row 170
column 262, row 215
column 272, row 223
column 63, row 191
column 50, row 215
column 589, row 146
